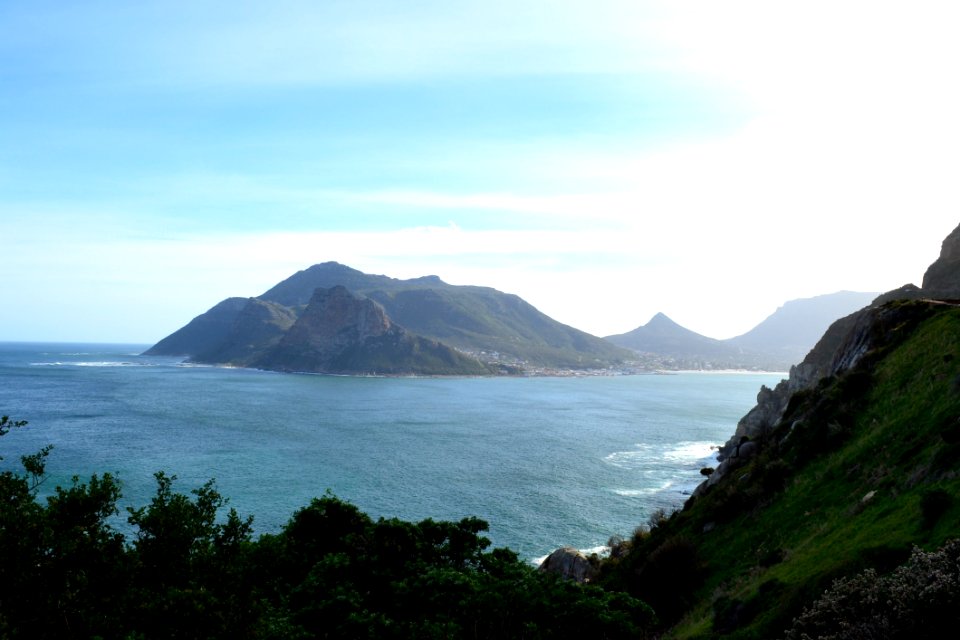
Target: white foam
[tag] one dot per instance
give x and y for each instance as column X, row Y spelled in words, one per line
column 98, row 363
column 690, row 451
column 634, row 459
column 107, row 363
column 649, row 491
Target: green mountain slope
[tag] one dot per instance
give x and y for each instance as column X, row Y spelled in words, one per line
column 859, row 468
column 498, row 328
column 475, row 319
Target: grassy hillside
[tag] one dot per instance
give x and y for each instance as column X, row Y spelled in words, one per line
column 480, row 318
column 858, row 471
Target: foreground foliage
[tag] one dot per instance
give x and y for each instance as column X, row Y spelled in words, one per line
column 332, row 572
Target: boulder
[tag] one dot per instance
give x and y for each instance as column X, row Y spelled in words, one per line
column 569, row 563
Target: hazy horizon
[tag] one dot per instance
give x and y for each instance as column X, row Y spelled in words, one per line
column 605, row 161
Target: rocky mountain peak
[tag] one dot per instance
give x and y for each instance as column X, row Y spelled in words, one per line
column 942, row 279
column 335, row 317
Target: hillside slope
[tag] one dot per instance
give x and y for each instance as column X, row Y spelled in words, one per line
column 860, row 467
column 843, row 470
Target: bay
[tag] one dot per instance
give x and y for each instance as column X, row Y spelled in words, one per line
column 546, row 461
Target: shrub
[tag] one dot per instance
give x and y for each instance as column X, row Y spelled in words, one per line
column 920, row 599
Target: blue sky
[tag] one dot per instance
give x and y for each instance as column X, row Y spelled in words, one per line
column 605, row 160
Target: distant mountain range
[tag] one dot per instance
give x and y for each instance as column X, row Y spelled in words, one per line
column 333, row 319
column 781, row 340
column 330, row 318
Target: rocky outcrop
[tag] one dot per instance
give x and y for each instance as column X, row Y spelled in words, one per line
column 569, row 563
column 844, row 345
column 342, row 333
column 334, row 320
column 942, row 279
column 864, row 335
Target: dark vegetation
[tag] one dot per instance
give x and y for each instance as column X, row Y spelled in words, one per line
column 191, row 571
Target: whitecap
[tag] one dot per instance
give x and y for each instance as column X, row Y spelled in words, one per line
column 98, row 363
column 107, row 363
column 649, row 491
column 690, row 451
column 637, row 458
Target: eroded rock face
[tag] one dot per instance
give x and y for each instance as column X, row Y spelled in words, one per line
column 942, row 279
column 569, row 563
column 342, row 333
column 335, row 319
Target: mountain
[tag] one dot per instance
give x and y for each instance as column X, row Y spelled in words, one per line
column 778, row 342
column 834, row 501
column 793, row 329
column 500, row 329
column 339, row 332
column 663, row 335
column 479, row 320
column 668, row 345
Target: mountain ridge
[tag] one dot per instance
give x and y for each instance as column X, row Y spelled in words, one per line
column 778, row 342
column 500, row 329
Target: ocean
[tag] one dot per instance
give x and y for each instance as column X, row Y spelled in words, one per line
column 546, row 461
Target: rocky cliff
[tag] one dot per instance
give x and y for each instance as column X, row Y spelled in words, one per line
column 942, row 279
column 840, row 349
column 339, row 332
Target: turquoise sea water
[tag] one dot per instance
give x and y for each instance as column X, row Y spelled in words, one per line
column 547, row 461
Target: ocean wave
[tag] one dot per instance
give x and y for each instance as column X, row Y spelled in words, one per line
column 690, row 451
column 634, row 459
column 96, row 363
column 649, row 491
column 646, row 456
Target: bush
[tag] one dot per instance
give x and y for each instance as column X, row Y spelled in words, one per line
column 332, row 572
column 920, row 599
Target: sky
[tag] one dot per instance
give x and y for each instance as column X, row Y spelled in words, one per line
column 605, row 160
